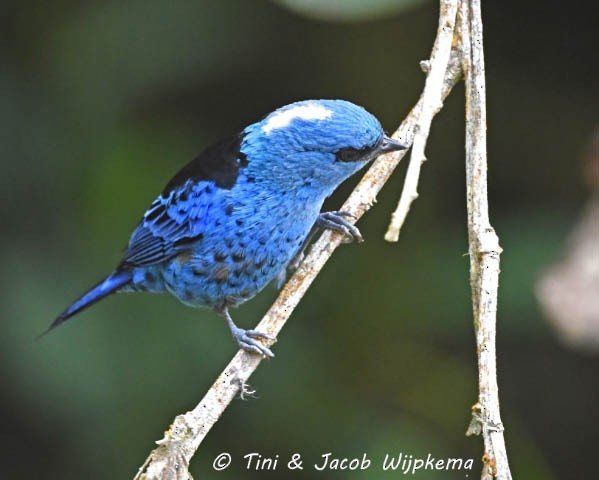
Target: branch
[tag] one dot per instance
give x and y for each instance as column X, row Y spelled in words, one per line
column 484, row 246
column 431, row 104
column 170, row 460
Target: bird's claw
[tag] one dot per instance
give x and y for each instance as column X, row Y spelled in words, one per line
column 335, row 221
column 248, row 340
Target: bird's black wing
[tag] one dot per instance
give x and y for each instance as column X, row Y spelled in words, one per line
column 176, row 218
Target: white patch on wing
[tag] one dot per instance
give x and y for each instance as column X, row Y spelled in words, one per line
column 305, row 112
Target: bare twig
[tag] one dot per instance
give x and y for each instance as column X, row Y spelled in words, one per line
column 432, row 103
column 171, row 458
column 484, row 246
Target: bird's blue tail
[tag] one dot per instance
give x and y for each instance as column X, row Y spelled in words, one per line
column 107, row 286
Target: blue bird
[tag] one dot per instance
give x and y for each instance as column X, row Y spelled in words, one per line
column 243, row 211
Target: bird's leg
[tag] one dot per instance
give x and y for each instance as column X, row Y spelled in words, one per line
column 336, row 222
column 333, row 221
column 299, row 256
column 246, row 339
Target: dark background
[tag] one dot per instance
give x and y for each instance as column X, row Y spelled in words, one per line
column 101, row 102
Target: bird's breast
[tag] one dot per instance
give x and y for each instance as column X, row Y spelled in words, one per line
column 247, row 241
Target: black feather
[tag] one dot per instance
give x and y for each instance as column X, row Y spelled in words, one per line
column 219, row 163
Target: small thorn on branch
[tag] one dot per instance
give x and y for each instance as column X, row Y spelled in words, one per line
column 475, row 426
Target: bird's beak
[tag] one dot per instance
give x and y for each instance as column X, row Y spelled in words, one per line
column 390, row 145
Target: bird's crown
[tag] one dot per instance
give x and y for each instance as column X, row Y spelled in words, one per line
column 325, row 126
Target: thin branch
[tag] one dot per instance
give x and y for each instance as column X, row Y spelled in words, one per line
column 484, row 247
column 432, row 103
column 171, row 458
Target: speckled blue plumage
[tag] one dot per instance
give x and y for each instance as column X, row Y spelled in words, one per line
column 247, row 235
column 231, row 221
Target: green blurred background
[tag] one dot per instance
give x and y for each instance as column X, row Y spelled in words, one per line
column 101, row 102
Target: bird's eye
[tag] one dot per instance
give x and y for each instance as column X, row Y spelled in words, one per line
column 350, row 154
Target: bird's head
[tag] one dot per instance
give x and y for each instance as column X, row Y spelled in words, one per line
column 314, row 145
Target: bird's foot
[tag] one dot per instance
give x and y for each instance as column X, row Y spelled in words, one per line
column 336, row 221
column 333, row 221
column 248, row 340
